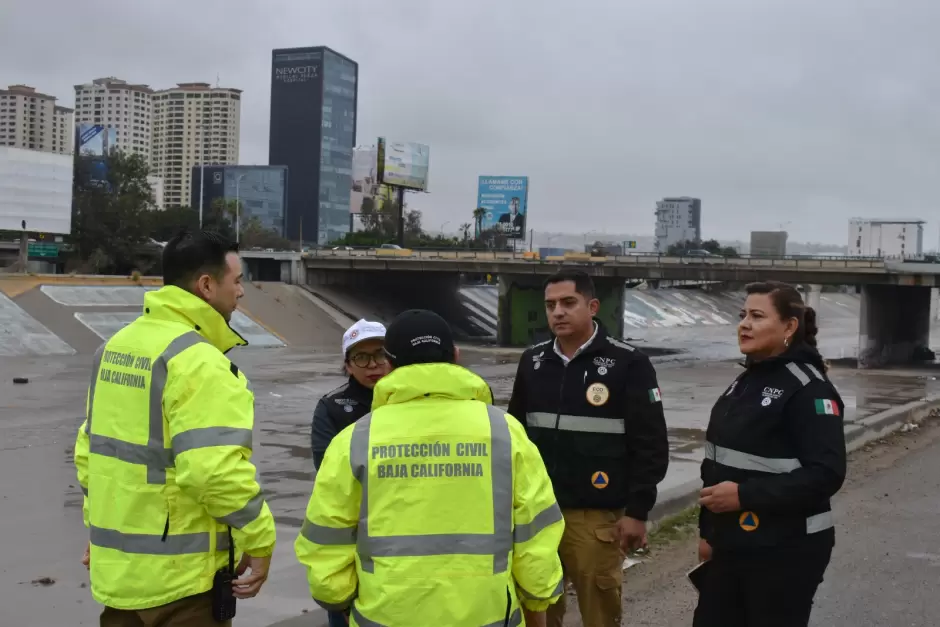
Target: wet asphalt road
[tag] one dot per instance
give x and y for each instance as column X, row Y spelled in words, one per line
column 41, row 533
column 886, row 567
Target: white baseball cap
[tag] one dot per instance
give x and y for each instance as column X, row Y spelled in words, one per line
column 360, row 332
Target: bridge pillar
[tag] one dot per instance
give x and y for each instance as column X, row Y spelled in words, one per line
column 521, row 315
column 894, row 325
column 811, row 296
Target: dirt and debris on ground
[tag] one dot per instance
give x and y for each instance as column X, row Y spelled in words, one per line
column 657, row 592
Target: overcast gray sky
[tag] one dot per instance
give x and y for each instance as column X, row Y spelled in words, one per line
column 771, row 111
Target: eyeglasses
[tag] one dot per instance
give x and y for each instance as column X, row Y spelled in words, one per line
column 363, row 360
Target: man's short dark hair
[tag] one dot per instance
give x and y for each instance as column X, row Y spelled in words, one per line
column 583, row 284
column 194, row 253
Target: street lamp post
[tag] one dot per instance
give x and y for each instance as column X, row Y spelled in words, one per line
column 238, row 180
column 442, row 228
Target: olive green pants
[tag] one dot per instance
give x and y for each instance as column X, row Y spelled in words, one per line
column 195, row 611
column 593, row 562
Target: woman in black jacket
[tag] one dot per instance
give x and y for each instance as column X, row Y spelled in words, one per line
column 365, row 362
column 775, row 454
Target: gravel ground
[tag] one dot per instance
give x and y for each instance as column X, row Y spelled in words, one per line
column 883, row 570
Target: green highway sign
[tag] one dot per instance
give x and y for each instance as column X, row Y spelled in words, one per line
column 38, row 249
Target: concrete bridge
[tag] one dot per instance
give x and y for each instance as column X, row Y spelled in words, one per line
column 895, row 309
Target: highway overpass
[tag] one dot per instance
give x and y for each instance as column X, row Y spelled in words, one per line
column 895, row 313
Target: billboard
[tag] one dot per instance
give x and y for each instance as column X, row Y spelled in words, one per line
column 506, row 200
column 95, row 140
column 365, row 183
column 92, row 143
column 35, row 191
column 403, row 164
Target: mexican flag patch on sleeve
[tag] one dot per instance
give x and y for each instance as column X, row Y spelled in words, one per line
column 655, row 396
column 826, row 407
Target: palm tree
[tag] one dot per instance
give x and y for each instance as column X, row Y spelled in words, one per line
column 478, row 214
column 465, row 228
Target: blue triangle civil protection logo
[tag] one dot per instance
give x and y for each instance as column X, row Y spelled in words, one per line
column 600, row 480
column 748, row 521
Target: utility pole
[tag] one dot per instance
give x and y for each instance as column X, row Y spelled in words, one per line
column 202, row 186
column 24, row 249
column 401, row 216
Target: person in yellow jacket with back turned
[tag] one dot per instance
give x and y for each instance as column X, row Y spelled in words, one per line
column 435, row 509
column 163, row 456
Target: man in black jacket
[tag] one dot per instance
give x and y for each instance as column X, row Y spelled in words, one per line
column 592, row 406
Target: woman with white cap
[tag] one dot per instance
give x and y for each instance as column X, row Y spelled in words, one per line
column 365, row 362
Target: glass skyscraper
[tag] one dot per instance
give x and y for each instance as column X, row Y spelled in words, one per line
column 261, row 191
column 314, row 94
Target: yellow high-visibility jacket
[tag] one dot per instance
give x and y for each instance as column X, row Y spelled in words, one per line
column 435, row 509
column 164, row 456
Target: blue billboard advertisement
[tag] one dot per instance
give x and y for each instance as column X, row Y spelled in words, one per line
column 93, row 142
column 505, row 199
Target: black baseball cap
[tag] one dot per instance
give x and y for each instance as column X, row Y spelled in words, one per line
column 419, row 336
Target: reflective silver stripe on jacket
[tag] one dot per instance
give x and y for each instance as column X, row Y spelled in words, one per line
column 797, row 372
column 548, row 516
column 815, row 371
column 154, row 455
column 559, row 589
column 498, row 544
column 337, row 607
column 819, row 522
column 328, row 536
column 156, row 544
column 746, row 461
column 515, row 619
column 95, row 367
column 585, row 424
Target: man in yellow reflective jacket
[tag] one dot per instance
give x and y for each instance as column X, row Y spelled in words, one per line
column 435, row 509
column 164, row 454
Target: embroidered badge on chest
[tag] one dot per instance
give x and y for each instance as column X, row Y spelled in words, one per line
column 770, row 395
column 597, row 394
column 604, row 364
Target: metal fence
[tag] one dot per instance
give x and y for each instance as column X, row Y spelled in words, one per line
column 789, row 261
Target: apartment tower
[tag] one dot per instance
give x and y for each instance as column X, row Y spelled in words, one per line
column 193, row 124
column 31, row 120
column 119, row 105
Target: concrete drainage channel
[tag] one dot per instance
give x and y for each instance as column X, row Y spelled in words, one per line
column 857, row 434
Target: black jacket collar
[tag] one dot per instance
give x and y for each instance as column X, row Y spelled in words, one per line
column 798, row 353
column 596, row 346
column 359, row 392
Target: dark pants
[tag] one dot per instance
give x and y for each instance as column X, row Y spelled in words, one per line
column 766, row 588
column 337, row 619
column 193, row 611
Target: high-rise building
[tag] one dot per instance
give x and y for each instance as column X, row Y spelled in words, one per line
column 193, row 123
column 314, row 94
column 886, row 237
column 259, row 190
column 116, row 104
column 31, row 120
column 677, row 220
